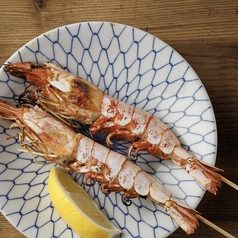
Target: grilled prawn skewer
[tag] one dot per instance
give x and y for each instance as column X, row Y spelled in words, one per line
column 71, row 97
column 58, row 143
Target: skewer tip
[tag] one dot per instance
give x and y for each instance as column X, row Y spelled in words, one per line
column 228, row 182
column 215, row 227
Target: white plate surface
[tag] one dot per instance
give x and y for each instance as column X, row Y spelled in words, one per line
column 139, row 69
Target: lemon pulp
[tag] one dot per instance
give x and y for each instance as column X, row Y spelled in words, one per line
column 76, row 207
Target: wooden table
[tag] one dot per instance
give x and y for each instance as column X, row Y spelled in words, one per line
column 204, row 32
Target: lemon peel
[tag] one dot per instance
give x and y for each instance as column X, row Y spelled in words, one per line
column 76, row 207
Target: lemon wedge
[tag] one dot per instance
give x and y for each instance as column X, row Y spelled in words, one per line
column 76, row 207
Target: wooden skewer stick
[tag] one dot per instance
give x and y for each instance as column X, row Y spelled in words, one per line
column 215, row 227
column 228, row 182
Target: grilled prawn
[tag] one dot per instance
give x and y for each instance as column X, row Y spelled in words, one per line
column 71, row 97
column 58, row 143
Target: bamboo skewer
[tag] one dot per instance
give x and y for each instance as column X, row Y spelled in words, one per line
column 215, row 227
column 228, row 182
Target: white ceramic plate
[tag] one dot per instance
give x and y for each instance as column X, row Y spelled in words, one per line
column 139, row 69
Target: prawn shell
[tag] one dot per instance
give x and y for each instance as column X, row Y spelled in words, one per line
column 142, row 183
column 140, row 121
column 127, row 174
column 124, row 114
column 114, row 162
column 84, row 150
column 159, row 193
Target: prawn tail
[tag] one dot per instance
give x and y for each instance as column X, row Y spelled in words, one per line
column 205, row 174
column 184, row 216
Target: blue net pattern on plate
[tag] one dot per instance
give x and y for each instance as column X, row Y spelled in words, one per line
column 139, row 69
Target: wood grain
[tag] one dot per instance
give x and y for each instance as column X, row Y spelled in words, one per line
column 204, row 32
